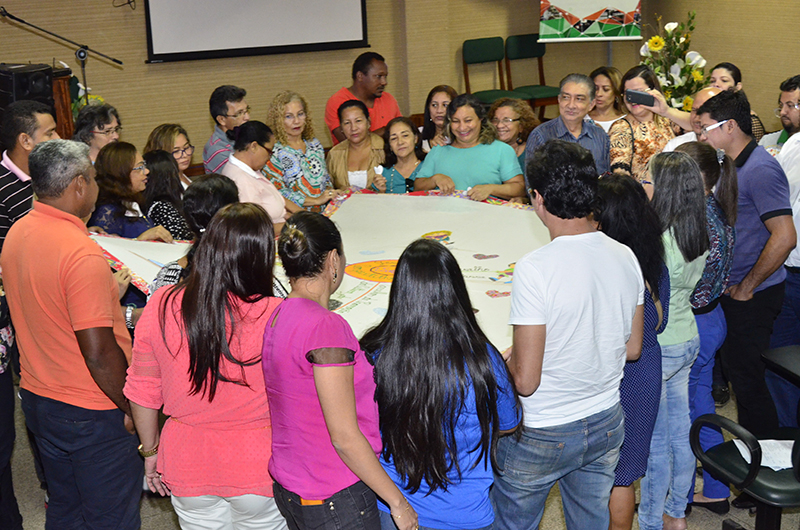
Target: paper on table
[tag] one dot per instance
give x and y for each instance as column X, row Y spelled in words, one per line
column 775, row 454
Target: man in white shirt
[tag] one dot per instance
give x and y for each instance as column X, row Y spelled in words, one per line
column 577, row 311
column 789, row 112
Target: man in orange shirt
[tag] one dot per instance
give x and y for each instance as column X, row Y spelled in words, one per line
column 74, row 347
column 369, row 81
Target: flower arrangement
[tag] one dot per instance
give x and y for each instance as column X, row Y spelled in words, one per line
column 681, row 72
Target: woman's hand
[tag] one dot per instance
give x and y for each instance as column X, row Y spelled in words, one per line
column 439, row 139
column 123, row 278
column 327, row 195
column 480, row 192
column 444, row 183
column 157, row 233
column 153, row 477
column 404, row 516
column 380, row 183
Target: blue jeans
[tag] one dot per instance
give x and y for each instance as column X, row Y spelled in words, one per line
column 387, row 523
column 712, row 329
column 786, row 332
column 581, row 456
column 671, row 463
column 94, row 472
column 353, row 508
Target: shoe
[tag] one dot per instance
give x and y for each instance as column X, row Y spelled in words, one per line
column 721, row 395
column 718, row 507
column 744, row 502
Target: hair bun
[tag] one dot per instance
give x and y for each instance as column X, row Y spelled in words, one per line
column 233, row 134
column 293, row 242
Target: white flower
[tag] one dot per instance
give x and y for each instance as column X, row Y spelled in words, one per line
column 644, row 51
column 669, row 28
column 695, row 59
column 662, row 81
column 683, row 39
column 675, row 103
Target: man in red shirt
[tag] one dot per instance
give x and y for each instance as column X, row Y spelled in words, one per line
column 369, row 81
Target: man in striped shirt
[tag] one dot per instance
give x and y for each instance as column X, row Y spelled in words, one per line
column 229, row 110
column 25, row 124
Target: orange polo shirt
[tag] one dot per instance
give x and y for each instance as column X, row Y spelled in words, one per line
column 383, row 110
column 57, row 282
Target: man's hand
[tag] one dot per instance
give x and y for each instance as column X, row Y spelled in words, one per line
column 739, row 293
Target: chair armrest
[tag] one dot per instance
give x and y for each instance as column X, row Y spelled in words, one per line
column 796, row 460
column 738, row 431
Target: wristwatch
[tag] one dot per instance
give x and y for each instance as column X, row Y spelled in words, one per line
column 151, row 452
column 129, row 317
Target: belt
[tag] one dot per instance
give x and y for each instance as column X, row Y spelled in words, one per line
column 794, row 270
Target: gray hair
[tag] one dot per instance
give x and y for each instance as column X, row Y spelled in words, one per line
column 54, row 165
column 581, row 80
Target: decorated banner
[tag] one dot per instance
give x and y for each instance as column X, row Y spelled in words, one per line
column 585, row 20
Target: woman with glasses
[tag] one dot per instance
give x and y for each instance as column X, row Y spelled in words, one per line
column 162, row 194
column 642, row 133
column 173, row 138
column 513, row 119
column 96, row 126
column 476, row 162
column 252, row 147
column 727, row 76
column 122, row 178
column 297, row 167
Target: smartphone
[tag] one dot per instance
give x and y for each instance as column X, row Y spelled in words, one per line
column 640, row 98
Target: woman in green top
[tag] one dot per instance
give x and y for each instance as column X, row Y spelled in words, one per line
column 402, row 146
column 679, row 200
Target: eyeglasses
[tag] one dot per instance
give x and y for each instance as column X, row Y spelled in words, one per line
column 789, row 106
column 141, row 167
column 504, row 121
column 109, row 132
column 188, row 150
column 267, row 149
column 705, row 130
column 239, row 114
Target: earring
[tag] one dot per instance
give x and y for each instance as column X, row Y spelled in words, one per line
column 335, row 275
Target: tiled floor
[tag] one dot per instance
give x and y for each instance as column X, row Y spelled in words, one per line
column 157, row 513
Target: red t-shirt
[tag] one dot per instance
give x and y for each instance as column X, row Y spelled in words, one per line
column 384, row 109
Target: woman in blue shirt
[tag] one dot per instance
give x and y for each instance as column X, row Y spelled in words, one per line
column 402, row 146
column 476, row 161
column 444, row 393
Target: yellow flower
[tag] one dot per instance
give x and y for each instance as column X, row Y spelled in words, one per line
column 687, row 103
column 668, row 94
column 697, row 76
column 655, row 44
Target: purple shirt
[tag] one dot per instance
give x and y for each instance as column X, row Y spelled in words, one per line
column 303, row 458
column 763, row 194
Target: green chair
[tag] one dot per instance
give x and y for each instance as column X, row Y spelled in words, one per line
column 490, row 49
column 529, row 47
column 772, row 490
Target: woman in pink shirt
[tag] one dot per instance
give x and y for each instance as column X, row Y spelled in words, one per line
column 252, row 147
column 321, row 388
column 197, row 354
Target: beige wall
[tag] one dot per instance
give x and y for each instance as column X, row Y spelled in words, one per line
column 420, row 39
column 758, row 36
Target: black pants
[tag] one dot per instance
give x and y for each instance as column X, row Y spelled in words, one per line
column 749, row 330
column 10, row 517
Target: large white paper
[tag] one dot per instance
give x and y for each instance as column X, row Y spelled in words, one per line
column 775, row 454
column 487, row 240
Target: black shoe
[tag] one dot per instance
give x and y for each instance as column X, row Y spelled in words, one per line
column 718, row 507
column 744, row 502
column 721, row 395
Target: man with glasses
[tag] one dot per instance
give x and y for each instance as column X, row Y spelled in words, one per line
column 789, row 113
column 764, row 237
column 228, row 110
column 96, row 126
column 370, row 75
column 692, row 136
column 575, row 101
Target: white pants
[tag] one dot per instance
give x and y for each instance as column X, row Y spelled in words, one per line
column 244, row 512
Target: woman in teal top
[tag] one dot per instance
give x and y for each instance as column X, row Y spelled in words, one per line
column 402, row 145
column 476, row 161
column 679, row 200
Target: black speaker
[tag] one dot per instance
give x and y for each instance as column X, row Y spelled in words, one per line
column 25, row 81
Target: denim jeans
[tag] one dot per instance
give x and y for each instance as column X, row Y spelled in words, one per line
column 712, row 329
column 786, row 332
column 671, row 463
column 94, row 472
column 353, row 508
column 581, row 456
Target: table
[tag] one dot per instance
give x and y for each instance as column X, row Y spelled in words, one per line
column 784, row 361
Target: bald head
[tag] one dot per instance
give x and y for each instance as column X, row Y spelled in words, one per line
column 699, row 98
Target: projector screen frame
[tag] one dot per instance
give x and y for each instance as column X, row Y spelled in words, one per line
column 155, row 58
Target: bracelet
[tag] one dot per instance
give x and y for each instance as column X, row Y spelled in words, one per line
column 151, row 452
column 408, row 507
column 129, row 317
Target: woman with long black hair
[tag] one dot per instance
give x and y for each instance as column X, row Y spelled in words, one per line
column 444, row 393
column 197, row 354
column 679, row 200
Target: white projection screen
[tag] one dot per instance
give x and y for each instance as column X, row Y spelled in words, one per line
column 180, row 30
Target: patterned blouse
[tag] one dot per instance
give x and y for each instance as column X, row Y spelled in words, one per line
column 632, row 146
column 165, row 214
column 298, row 175
column 721, row 237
